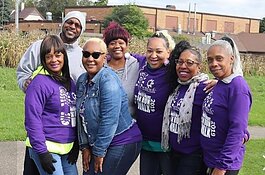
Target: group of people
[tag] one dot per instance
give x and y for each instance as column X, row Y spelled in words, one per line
column 113, row 106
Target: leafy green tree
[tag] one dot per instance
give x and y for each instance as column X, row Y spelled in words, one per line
column 92, row 3
column 56, row 7
column 101, row 3
column 131, row 17
column 262, row 25
column 6, row 8
column 85, row 3
column 30, row 3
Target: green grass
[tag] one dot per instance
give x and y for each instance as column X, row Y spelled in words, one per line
column 257, row 85
column 11, row 107
column 254, row 162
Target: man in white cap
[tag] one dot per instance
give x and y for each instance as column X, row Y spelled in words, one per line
column 73, row 25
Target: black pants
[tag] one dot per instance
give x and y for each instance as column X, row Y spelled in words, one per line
column 29, row 166
column 188, row 164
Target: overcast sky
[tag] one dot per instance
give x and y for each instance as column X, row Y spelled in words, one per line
column 242, row 8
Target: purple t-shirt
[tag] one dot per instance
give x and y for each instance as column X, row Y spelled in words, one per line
column 49, row 112
column 151, row 92
column 132, row 135
column 224, row 123
column 192, row 144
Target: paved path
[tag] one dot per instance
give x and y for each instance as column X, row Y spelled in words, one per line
column 257, row 132
column 12, row 155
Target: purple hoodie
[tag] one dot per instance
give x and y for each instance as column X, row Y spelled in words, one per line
column 49, row 112
column 151, row 92
column 192, row 144
column 224, row 124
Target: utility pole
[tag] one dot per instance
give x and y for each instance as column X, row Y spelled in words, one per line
column 16, row 15
column 188, row 25
column 3, row 10
column 195, row 21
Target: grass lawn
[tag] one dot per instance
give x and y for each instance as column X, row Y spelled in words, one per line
column 11, row 107
column 257, row 85
column 254, row 161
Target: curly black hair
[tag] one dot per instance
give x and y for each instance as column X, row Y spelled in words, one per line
column 174, row 55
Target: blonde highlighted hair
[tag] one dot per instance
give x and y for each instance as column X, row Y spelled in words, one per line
column 101, row 43
column 170, row 43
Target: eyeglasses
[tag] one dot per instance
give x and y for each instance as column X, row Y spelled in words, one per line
column 95, row 55
column 188, row 63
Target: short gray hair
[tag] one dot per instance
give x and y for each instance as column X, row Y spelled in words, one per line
column 232, row 50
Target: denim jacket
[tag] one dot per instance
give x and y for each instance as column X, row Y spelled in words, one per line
column 106, row 113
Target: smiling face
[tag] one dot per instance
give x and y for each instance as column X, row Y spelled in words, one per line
column 71, row 30
column 54, row 61
column 91, row 64
column 220, row 62
column 187, row 66
column 156, row 53
column 117, row 48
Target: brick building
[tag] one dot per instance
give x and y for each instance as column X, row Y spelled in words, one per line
column 158, row 18
column 172, row 19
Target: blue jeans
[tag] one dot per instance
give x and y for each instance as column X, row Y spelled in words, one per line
column 62, row 167
column 155, row 163
column 188, row 164
column 118, row 160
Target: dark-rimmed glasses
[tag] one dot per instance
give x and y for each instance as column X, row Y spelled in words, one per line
column 188, row 63
column 95, row 55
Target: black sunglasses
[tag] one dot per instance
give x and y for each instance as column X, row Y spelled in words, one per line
column 95, row 55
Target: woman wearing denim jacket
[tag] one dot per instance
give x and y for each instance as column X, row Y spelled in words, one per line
column 108, row 135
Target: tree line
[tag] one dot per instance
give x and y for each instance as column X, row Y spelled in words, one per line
column 129, row 16
column 54, row 6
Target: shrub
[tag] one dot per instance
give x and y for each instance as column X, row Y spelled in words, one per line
column 13, row 46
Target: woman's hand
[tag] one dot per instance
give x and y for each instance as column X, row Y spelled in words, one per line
column 217, row 171
column 26, row 84
column 98, row 164
column 246, row 138
column 86, row 157
column 209, row 85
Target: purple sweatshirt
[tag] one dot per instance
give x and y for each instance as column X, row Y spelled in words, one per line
column 151, row 92
column 49, row 113
column 224, row 123
column 192, row 144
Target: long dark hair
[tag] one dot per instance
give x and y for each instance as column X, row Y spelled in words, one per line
column 53, row 41
column 174, row 56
